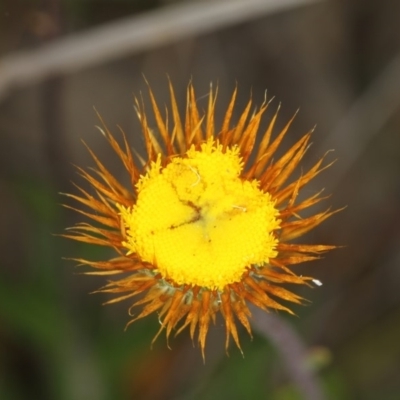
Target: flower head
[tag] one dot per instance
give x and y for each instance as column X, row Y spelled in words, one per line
column 202, row 229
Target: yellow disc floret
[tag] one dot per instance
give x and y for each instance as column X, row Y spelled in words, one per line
column 198, row 222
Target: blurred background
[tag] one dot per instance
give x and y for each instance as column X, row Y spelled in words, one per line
column 336, row 60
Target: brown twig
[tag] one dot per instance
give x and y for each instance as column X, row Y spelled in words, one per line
column 137, row 33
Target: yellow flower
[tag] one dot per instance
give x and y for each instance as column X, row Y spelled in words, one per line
column 206, row 225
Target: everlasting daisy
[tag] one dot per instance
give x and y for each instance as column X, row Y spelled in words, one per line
column 206, row 223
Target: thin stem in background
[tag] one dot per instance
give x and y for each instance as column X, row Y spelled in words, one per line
column 292, row 350
column 365, row 119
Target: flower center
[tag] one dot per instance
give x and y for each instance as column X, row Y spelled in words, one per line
column 198, row 222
